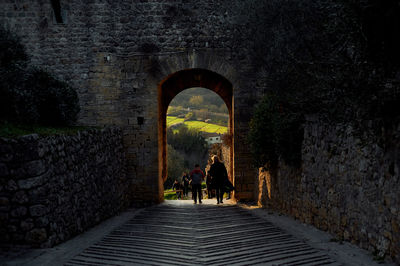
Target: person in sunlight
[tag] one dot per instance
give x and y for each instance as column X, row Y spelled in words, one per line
column 219, row 175
column 197, row 177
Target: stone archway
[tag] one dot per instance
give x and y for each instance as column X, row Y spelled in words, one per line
column 175, row 83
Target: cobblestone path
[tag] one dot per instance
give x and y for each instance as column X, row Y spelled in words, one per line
column 186, row 234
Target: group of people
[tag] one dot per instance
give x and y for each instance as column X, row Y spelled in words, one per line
column 217, row 179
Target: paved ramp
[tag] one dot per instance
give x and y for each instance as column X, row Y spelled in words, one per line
column 175, row 233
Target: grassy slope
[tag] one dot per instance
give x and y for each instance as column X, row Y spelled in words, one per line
column 172, row 120
column 202, row 126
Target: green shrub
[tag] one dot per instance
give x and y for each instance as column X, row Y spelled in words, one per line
column 29, row 95
column 170, row 196
column 175, row 110
column 189, row 116
column 175, row 162
column 11, row 50
column 187, row 140
column 275, row 132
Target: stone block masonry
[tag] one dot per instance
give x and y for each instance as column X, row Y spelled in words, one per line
column 348, row 185
column 117, row 53
column 53, row 188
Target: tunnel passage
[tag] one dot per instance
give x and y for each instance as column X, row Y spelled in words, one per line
column 172, row 86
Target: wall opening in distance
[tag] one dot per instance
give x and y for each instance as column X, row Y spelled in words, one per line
column 172, row 86
column 197, row 124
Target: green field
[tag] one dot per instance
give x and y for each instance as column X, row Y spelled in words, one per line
column 199, row 125
column 172, row 120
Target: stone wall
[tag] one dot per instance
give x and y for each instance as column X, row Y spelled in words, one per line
column 225, row 152
column 116, row 53
column 52, row 188
column 349, row 185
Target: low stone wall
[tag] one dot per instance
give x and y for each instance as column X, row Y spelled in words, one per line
column 52, row 188
column 348, row 185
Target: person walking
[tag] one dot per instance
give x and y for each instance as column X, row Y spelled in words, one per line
column 197, row 177
column 219, row 175
column 228, row 187
column 185, row 183
column 209, row 185
column 177, row 187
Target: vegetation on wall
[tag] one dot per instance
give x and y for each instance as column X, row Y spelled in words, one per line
column 28, row 95
column 275, row 132
column 338, row 59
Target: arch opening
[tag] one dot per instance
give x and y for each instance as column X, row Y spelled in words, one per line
column 172, row 86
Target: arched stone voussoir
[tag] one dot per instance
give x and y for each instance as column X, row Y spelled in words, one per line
column 215, row 61
column 163, row 66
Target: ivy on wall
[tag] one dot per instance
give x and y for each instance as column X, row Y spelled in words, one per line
column 275, row 133
column 337, row 59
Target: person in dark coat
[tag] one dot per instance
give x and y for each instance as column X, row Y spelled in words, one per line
column 209, row 185
column 228, row 188
column 219, row 176
column 197, row 177
column 185, row 183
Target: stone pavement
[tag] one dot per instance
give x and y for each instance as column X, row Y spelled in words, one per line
column 181, row 233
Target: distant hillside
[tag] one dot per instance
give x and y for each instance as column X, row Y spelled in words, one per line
column 210, row 100
column 175, row 122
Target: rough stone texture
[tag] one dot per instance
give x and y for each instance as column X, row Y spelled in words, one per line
column 226, row 158
column 349, row 185
column 62, row 186
column 116, row 53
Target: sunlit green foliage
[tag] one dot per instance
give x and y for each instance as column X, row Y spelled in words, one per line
column 198, row 125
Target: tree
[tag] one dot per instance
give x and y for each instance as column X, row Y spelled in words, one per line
column 190, row 144
column 176, row 166
column 202, row 114
column 188, row 140
column 223, row 109
column 197, row 100
column 174, row 110
column 189, row 116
